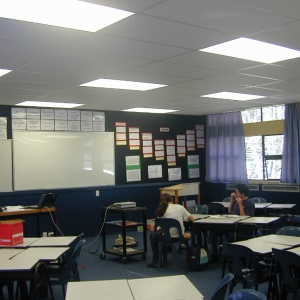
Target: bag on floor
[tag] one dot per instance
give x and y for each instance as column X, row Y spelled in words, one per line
column 198, row 258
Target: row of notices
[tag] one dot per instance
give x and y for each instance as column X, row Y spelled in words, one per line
column 3, row 128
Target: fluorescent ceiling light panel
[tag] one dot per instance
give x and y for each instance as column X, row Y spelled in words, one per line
column 72, row 14
column 150, row 110
column 122, row 84
column 49, row 104
column 253, row 50
column 233, row 96
column 4, row 71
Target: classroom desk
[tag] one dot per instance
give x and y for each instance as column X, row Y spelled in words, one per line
column 160, row 288
column 41, row 253
column 285, row 207
column 9, row 253
column 26, row 243
column 260, row 248
column 295, row 250
column 95, row 290
column 199, row 216
column 55, row 241
column 216, row 222
column 265, row 222
column 279, row 239
column 17, row 211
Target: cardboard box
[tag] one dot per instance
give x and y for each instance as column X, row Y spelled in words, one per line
column 11, row 232
column 150, row 224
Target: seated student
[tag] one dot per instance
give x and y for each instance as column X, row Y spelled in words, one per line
column 166, row 209
column 239, row 205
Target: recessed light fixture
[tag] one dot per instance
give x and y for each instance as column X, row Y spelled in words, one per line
column 150, row 110
column 49, row 104
column 72, row 14
column 253, row 50
column 4, row 71
column 233, row 96
column 122, row 84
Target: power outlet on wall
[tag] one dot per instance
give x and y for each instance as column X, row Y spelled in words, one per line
column 97, row 193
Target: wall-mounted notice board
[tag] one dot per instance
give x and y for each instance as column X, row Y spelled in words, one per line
column 6, row 166
column 51, row 159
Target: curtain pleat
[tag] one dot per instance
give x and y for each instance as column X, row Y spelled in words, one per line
column 225, row 151
column 290, row 155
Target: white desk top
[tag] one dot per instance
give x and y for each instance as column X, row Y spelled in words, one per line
column 17, row 264
column 54, row 241
column 95, row 290
column 262, row 205
column 161, row 288
column 282, row 206
column 9, row 253
column 295, row 250
column 43, row 253
column 25, row 244
column 259, row 247
column 279, row 239
column 260, row 220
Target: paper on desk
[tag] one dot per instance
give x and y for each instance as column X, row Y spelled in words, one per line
column 14, row 208
column 223, row 216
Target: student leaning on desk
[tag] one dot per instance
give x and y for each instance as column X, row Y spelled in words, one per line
column 239, row 205
column 166, row 209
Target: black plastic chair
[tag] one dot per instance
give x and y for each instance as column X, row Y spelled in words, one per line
column 289, row 230
column 221, row 290
column 63, row 276
column 167, row 241
column 245, row 266
column 202, row 210
column 9, row 285
column 289, row 272
column 258, row 200
column 246, row 231
column 216, row 208
column 246, row 294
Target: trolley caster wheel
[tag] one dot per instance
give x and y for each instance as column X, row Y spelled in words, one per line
column 144, row 256
column 124, row 260
column 102, row 256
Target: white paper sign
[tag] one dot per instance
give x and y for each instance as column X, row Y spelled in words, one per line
column 174, row 174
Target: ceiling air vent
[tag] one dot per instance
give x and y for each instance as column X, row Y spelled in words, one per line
column 280, row 188
column 252, row 187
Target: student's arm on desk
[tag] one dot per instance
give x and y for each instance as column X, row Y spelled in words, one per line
column 191, row 218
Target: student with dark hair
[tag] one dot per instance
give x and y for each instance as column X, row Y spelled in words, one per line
column 166, row 209
column 239, row 205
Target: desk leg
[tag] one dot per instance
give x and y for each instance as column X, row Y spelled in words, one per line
column 38, row 225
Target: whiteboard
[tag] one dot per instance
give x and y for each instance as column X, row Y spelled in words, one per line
column 6, row 166
column 52, row 159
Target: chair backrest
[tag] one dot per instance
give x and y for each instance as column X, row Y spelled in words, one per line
column 221, row 290
column 68, row 253
column 166, row 224
column 226, row 199
column 68, row 272
column 216, row 208
column 246, row 231
column 288, row 261
column 289, row 230
column 258, row 200
column 198, row 209
column 241, row 257
column 246, row 294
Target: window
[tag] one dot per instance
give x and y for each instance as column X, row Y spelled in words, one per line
column 269, row 113
column 264, row 156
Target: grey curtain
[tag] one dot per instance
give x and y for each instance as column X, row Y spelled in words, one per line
column 290, row 155
column 225, row 150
